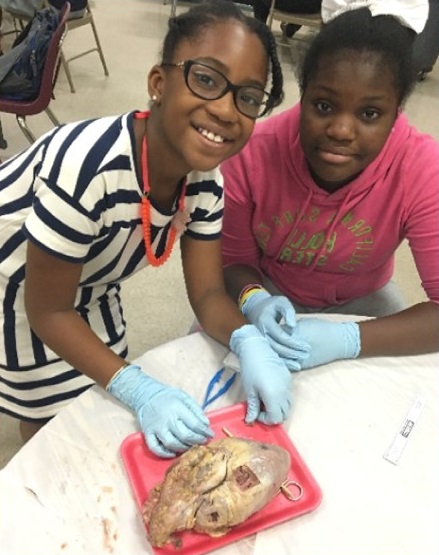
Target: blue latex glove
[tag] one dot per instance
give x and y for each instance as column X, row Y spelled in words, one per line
column 265, row 378
column 170, row 420
column 266, row 312
column 329, row 340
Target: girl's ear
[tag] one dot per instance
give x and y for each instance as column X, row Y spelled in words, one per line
column 156, row 81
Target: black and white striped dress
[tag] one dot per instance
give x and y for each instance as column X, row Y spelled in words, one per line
column 76, row 194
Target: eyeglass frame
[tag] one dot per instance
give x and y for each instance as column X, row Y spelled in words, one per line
column 186, row 65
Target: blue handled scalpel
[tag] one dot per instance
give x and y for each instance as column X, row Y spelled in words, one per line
column 211, row 385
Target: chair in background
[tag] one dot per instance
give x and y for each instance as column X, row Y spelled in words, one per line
column 3, row 33
column 24, row 108
column 174, row 5
column 86, row 19
column 304, row 20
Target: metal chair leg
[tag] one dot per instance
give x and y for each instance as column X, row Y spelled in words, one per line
column 3, row 142
column 65, row 65
column 27, row 132
column 100, row 51
column 52, row 116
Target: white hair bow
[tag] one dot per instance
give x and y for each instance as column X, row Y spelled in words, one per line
column 410, row 13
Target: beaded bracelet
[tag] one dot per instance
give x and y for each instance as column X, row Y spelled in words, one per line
column 247, row 292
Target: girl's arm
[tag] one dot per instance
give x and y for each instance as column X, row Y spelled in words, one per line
column 410, row 332
column 51, row 286
column 237, row 276
column 414, row 331
column 265, row 377
column 50, row 289
column 217, row 313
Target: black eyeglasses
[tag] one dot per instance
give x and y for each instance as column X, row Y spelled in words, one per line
column 210, row 84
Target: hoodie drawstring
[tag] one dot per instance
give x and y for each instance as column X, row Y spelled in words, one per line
column 299, row 217
column 330, row 231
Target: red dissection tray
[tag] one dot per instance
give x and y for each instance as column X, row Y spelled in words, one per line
column 145, row 470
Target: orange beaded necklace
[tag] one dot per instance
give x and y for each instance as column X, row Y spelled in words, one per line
column 146, row 209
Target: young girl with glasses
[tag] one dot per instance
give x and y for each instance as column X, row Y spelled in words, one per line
column 92, row 202
column 324, row 193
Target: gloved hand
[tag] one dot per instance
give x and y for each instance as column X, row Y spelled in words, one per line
column 329, row 341
column 266, row 312
column 170, row 420
column 265, row 378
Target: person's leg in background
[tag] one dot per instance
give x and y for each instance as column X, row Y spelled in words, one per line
column 261, row 8
column 77, row 7
column 1, row 23
column 295, row 6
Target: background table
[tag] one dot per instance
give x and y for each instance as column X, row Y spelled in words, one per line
column 66, row 491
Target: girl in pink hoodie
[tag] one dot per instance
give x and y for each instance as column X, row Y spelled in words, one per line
column 323, row 194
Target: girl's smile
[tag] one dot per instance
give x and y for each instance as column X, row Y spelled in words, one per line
column 211, row 136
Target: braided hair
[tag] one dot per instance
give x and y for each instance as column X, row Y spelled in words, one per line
column 356, row 30
column 188, row 25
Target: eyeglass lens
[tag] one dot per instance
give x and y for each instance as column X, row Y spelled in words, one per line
column 210, row 84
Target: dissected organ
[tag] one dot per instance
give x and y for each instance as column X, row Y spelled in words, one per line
column 211, row 488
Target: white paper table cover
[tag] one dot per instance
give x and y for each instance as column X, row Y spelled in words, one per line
column 66, row 491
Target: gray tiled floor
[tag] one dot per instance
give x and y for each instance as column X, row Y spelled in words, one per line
column 131, row 31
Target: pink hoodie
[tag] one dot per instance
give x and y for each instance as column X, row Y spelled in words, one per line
column 320, row 248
